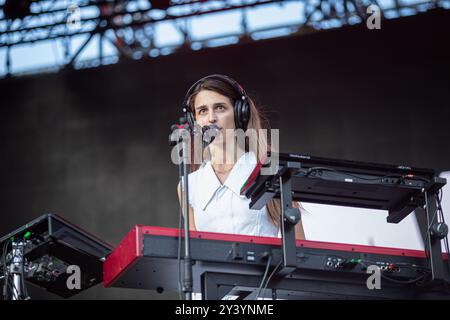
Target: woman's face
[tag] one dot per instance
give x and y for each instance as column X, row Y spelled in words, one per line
column 213, row 108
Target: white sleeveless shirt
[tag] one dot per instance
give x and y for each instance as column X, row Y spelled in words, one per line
column 221, row 208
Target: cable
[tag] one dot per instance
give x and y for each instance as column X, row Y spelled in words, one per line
column 5, row 271
column 24, row 287
column 364, row 262
column 414, row 267
column 406, row 265
column 270, row 277
column 269, row 260
column 439, row 208
column 14, row 288
column 384, row 276
column 403, row 282
column 11, row 289
column 180, row 228
column 441, row 216
column 313, row 169
column 427, row 238
column 8, row 282
column 4, row 253
column 400, row 264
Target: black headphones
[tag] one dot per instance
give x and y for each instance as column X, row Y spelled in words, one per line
column 241, row 106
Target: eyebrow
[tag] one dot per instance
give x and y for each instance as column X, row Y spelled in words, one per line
column 214, row 105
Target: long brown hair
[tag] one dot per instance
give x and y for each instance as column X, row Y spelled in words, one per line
column 257, row 121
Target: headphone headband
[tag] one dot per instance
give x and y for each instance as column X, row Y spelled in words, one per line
column 241, row 106
column 222, row 77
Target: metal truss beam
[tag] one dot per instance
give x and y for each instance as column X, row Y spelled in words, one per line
column 129, row 24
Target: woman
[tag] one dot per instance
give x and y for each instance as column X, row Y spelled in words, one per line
column 215, row 203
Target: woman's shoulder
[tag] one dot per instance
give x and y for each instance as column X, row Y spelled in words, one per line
column 194, row 175
column 198, row 172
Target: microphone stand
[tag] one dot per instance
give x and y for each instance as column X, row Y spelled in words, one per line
column 187, row 260
column 187, row 281
column 187, row 276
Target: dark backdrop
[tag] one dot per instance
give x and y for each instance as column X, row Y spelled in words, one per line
column 91, row 145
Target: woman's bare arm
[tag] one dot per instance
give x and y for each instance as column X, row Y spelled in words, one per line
column 191, row 210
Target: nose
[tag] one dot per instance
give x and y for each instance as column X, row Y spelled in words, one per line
column 212, row 117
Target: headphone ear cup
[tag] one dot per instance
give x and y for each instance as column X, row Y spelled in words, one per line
column 237, row 114
column 191, row 119
column 245, row 115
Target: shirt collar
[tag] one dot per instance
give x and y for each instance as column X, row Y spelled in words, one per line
column 210, row 184
column 240, row 172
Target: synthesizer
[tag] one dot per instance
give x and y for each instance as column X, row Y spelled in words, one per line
column 397, row 189
column 225, row 264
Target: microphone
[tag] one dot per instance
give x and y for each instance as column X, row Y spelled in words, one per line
column 211, row 127
column 209, row 133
